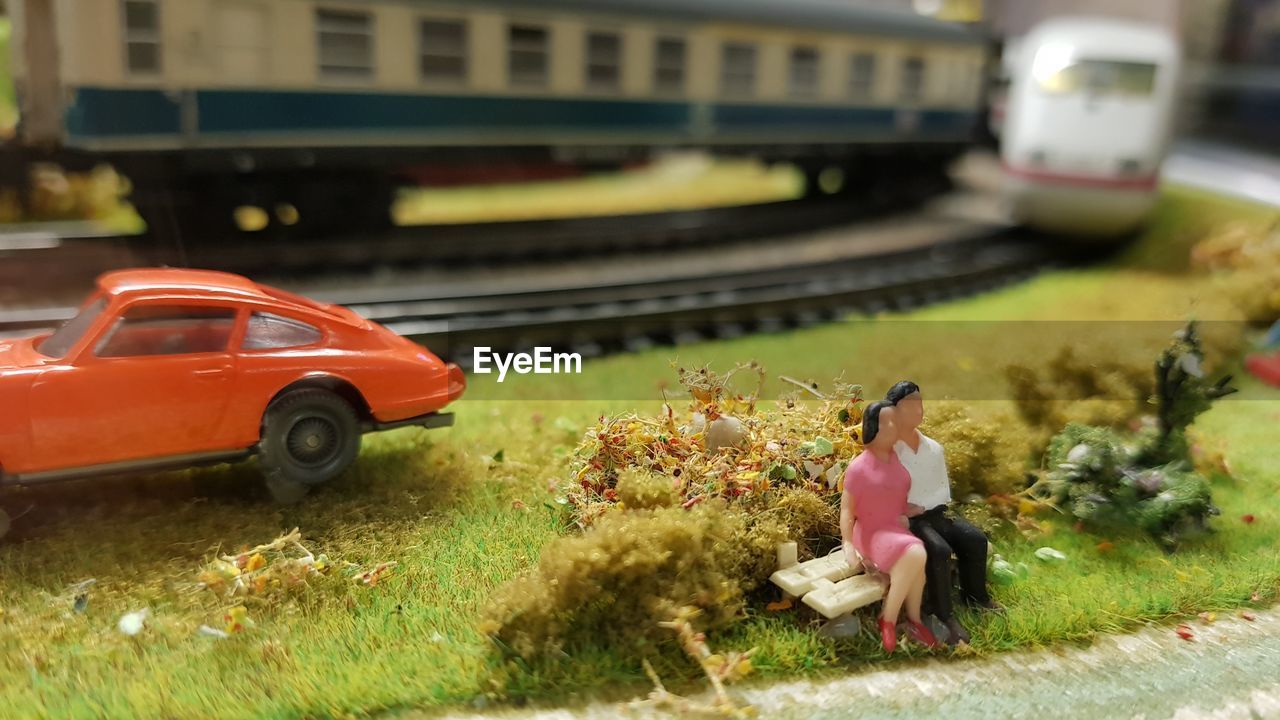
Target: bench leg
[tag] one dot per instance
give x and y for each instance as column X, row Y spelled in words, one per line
column 845, row 626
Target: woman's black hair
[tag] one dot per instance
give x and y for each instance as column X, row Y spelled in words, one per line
column 871, row 420
column 900, row 391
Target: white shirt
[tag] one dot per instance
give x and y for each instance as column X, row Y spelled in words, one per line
column 930, row 486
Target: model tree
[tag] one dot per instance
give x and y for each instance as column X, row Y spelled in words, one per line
column 1143, row 480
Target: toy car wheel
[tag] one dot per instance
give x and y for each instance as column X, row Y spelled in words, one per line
column 4, row 523
column 308, row 438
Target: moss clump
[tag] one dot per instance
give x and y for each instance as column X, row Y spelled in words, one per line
column 1087, row 390
column 633, row 568
column 789, row 514
column 613, row 583
column 643, row 490
column 986, row 452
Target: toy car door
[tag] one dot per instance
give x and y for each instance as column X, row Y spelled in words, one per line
column 154, row 383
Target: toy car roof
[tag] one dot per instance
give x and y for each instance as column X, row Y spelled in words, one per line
column 202, row 282
column 214, row 284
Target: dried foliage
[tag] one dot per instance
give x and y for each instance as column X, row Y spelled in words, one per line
column 719, row 669
column 278, row 568
column 1246, row 259
column 796, row 445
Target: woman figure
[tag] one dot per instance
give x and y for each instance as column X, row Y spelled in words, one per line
column 873, row 524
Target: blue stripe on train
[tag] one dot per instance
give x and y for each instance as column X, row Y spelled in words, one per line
column 246, row 111
column 103, row 113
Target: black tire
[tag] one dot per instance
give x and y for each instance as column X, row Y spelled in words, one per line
column 308, row 438
column 4, row 523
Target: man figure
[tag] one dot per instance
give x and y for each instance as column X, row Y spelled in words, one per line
column 943, row 533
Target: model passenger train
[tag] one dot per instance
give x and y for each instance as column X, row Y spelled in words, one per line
column 324, row 106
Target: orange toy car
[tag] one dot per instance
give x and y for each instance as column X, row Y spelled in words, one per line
column 170, row 368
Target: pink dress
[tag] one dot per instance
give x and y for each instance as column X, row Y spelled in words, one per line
column 879, row 491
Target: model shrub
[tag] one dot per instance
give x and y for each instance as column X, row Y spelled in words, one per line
column 632, row 569
column 613, row 583
column 1145, row 479
column 1071, row 387
column 986, row 450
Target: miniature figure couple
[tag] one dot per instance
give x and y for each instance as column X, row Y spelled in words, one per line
column 893, row 516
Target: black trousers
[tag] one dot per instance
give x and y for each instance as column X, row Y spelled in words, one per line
column 945, row 534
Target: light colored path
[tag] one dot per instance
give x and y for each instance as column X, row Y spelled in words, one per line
column 1220, row 168
column 1230, row 670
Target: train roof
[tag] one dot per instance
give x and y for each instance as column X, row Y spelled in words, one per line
column 838, row 15
column 1099, row 35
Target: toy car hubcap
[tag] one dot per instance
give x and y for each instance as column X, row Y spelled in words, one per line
column 313, row 441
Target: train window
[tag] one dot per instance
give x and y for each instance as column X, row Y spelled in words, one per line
column 444, row 50
column 142, row 36
column 668, row 67
column 738, row 69
column 803, row 78
column 527, row 55
column 345, row 41
column 912, row 87
column 862, row 75
column 604, row 61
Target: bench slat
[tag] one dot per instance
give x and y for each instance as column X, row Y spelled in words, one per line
column 799, row 579
column 834, row 599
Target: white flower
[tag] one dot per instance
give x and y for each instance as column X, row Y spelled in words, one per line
column 133, row 623
column 212, row 632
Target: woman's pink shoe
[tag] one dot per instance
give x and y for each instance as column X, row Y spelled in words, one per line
column 921, row 634
column 889, row 635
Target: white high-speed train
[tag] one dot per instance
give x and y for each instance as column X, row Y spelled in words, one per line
column 1087, row 124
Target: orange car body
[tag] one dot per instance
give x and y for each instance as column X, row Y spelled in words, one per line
column 167, row 368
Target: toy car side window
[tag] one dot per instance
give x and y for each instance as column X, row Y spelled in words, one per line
column 168, row 330
column 272, row 332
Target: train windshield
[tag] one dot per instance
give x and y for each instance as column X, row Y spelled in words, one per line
column 1101, row 77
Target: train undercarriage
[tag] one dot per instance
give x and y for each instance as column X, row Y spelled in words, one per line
column 206, row 195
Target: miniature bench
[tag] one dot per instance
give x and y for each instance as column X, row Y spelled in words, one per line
column 828, row 584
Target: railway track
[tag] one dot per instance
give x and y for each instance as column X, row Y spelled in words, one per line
column 41, row 263
column 594, row 319
column 633, row 302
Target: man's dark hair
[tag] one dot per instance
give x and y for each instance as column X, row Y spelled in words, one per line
column 900, row 391
column 871, row 420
